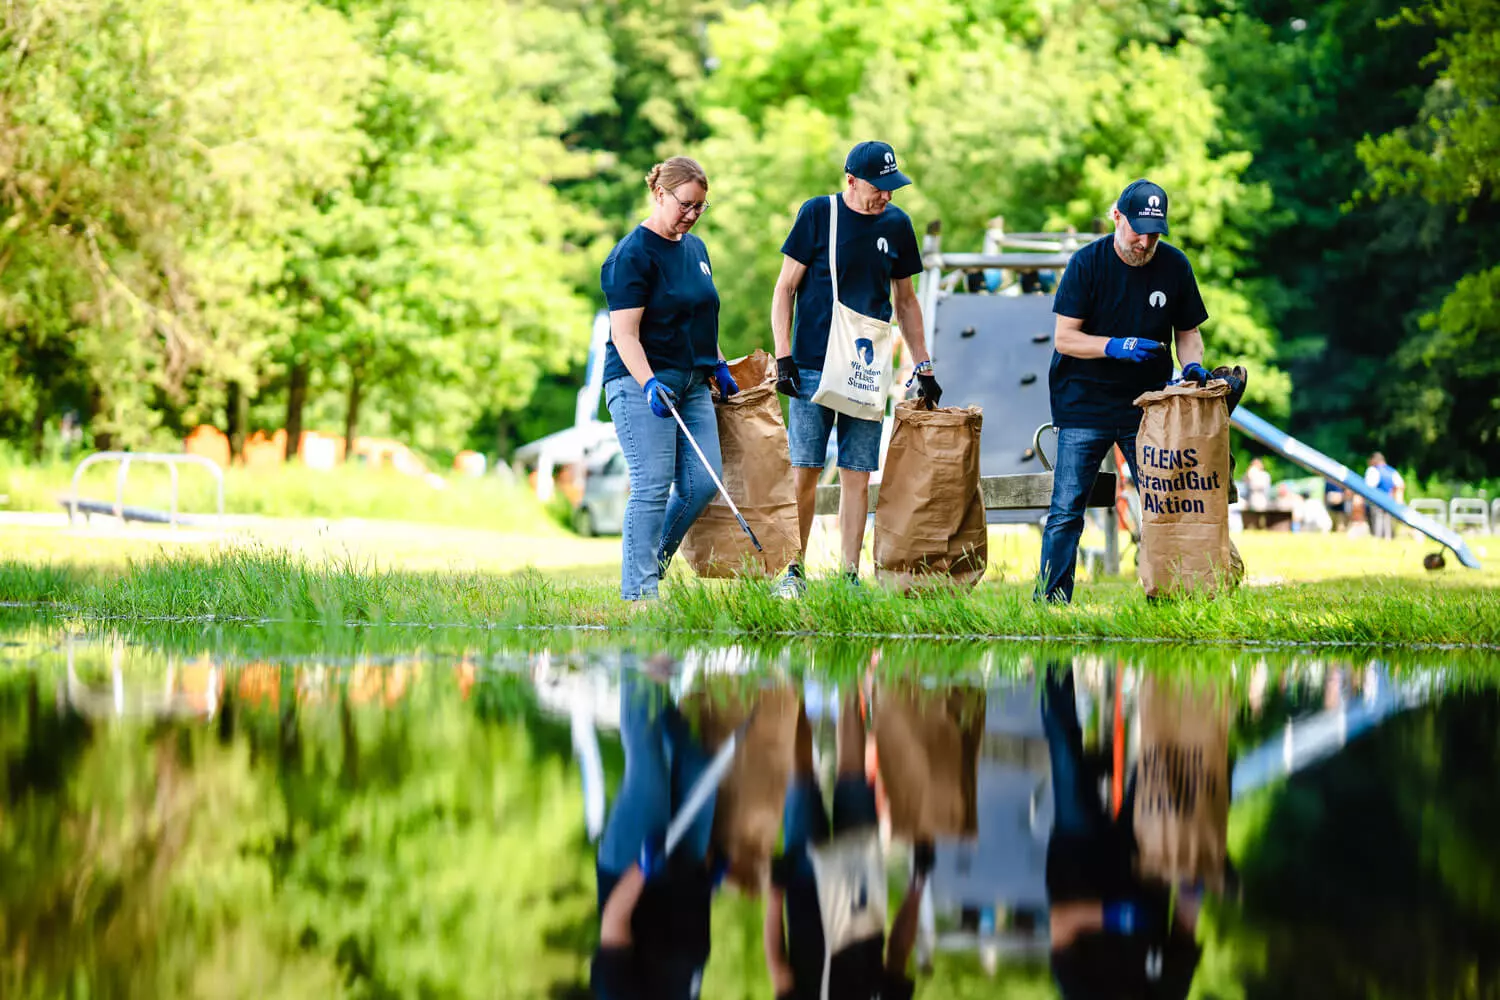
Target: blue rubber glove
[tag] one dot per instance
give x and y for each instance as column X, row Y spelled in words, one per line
column 653, row 859
column 1195, row 373
column 727, row 385
column 1120, row 917
column 1135, row 349
column 658, row 395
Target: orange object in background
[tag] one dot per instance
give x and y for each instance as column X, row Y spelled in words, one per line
column 469, row 463
column 316, row 450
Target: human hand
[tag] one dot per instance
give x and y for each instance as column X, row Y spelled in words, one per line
column 1135, row 349
column 1195, row 372
column 727, row 385
column 660, row 397
column 788, row 379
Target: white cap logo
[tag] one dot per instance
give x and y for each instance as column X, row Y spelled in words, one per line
column 890, row 157
column 1158, row 299
column 882, row 245
column 703, row 266
column 1154, row 201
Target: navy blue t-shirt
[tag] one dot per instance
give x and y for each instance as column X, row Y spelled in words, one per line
column 873, row 251
column 673, row 282
column 1116, row 300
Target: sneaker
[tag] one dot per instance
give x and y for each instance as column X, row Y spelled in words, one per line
column 792, row 584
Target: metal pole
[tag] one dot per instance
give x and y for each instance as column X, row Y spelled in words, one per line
column 745, row 525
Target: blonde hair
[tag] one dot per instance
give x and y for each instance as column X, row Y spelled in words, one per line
column 673, row 173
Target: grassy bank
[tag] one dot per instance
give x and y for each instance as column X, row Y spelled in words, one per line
column 260, row 584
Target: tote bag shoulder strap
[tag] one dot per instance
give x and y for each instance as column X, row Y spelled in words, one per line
column 833, row 243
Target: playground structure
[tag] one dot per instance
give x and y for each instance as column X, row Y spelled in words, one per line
column 124, row 512
column 989, row 326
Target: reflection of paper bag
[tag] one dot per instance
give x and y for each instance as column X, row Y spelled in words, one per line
column 928, row 745
column 1182, row 782
column 757, row 473
column 747, row 810
column 929, row 514
column 1182, row 452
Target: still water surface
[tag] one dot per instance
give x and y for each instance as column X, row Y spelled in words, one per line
column 237, row 814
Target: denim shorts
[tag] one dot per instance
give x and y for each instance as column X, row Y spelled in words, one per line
column 809, row 424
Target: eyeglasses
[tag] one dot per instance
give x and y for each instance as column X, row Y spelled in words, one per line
column 695, row 207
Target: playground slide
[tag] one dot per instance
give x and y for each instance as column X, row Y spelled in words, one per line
column 1316, row 462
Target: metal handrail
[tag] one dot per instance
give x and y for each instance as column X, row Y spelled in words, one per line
column 125, row 458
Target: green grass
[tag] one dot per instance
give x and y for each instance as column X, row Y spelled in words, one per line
column 289, row 491
column 260, row 584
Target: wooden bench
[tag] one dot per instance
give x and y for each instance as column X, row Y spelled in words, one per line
column 1030, row 491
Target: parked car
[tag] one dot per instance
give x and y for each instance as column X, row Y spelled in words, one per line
column 601, row 509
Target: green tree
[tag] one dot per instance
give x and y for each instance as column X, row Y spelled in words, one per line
column 1450, row 157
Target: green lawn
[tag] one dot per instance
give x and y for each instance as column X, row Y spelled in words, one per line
column 262, row 583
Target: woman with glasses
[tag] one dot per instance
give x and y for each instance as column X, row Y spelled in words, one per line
column 663, row 349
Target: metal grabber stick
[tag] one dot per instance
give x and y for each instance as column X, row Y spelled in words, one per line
column 714, row 476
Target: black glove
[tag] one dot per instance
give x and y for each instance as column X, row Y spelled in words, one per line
column 781, row 871
column 928, row 389
column 923, row 857
column 788, row 379
column 1237, row 377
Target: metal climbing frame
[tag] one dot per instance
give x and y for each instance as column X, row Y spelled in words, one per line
column 125, row 458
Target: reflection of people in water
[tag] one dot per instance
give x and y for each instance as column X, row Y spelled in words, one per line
column 1113, row 934
column 653, row 910
column 832, row 880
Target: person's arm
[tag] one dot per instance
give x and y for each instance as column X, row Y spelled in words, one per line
column 904, row 930
column 773, row 940
column 1189, row 348
column 1069, row 339
column 625, row 331
column 614, row 922
column 909, row 316
column 787, row 283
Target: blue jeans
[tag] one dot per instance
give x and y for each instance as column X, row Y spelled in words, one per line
column 662, row 761
column 1077, row 809
column 1079, row 452
column 809, row 424
column 660, row 458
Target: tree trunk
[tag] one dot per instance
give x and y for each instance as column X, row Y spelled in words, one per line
column 296, row 396
column 39, row 428
column 103, row 440
column 351, row 416
column 237, row 405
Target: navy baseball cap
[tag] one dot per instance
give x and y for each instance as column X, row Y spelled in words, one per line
column 1144, row 206
column 875, row 162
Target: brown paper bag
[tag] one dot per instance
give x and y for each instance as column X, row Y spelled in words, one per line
column 929, row 514
column 1182, row 782
column 927, row 742
column 1182, row 453
column 757, row 473
column 748, row 808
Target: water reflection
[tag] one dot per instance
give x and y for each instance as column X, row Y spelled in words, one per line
column 189, row 818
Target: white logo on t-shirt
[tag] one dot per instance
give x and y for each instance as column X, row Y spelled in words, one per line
column 1158, row 299
column 882, row 245
column 703, row 266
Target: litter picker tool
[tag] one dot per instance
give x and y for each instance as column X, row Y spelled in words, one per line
column 707, row 784
column 714, row 476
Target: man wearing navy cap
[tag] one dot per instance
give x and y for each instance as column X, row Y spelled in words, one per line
column 877, row 255
column 1122, row 301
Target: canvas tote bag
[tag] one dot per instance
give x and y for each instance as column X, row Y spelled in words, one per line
column 857, row 368
column 852, row 892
